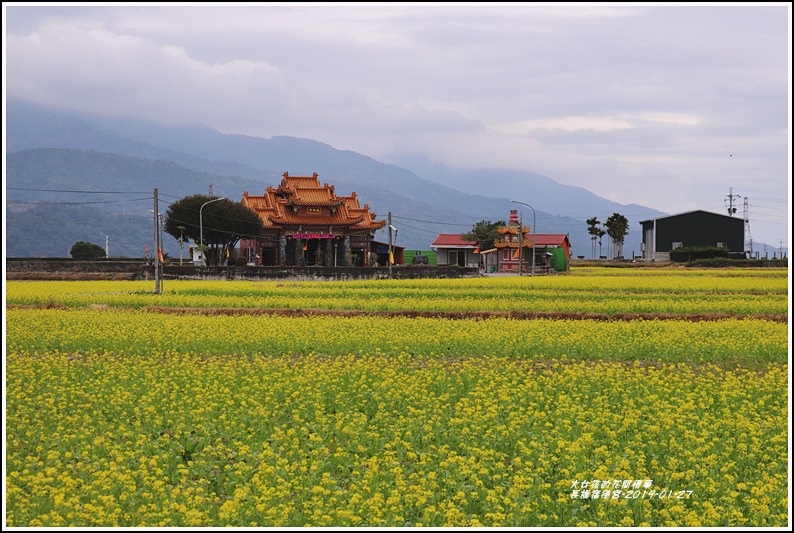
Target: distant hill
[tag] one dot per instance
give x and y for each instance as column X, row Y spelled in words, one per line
column 50, row 230
column 52, row 149
column 535, row 189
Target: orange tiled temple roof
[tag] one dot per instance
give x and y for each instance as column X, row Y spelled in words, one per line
column 281, row 206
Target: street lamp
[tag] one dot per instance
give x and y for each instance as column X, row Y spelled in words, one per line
column 181, row 242
column 158, row 238
column 394, row 243
column 201, row 230
column 391, row 244
column 533, row 237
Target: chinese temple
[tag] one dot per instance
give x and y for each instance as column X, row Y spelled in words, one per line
column 552, row 251
column 511, row 242
column 306, row 223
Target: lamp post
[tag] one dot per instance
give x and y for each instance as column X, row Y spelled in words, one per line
column 181, row 242
column 391, row 254
column 392, row 243
column 533, row 236
column 201, row 230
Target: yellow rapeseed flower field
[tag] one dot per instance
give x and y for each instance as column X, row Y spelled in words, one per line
column 120, row 416
column 590, row 290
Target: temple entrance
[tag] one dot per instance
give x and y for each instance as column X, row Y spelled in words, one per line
column 313, row 252
column 268, row 256
column 322, row 251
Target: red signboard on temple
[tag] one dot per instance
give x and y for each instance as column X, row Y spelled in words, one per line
column 313, row 235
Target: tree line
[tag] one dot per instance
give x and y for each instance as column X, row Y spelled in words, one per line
column 222, row 223
column 485, row 232
column 617, row 227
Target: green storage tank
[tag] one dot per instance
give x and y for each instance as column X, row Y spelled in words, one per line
column 558, row 260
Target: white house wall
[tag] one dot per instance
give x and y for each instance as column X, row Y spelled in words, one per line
column 444, row 254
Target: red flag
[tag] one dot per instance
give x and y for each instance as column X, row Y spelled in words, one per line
column 477, row 250
column 147, row 250
column 516, row 254
column 160, row 254
column 306, row 245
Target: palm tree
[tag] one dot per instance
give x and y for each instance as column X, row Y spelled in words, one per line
column 600, row 233
column 593, row 229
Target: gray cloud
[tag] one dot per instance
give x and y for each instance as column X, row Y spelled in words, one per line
column 646, row 102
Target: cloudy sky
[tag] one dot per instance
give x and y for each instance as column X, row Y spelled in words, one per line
column 667, row 106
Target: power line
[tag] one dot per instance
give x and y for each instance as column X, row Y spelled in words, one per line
column 768, row 199
column 766, row 221
column 766, row 207
column 431, row 221
column 80, row 192
column 415, row 228
column 14, row 202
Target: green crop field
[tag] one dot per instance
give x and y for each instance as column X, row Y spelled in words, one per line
column 603, row 397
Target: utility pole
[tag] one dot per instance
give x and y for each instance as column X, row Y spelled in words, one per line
column 157, row 289
column 390, row 245
column 107, row 246
column 730, row 197
column 748, row 239
column 160, row 251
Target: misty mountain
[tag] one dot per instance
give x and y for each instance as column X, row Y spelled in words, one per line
column 31, row 126
column 50, row 230
column 52, row 149
column 530, row 187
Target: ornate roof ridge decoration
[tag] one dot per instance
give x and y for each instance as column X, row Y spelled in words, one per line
column 297, row 201
column 289, row 220
column 284, row 191
column 526, row 243
column 280, row 205
column 512, row 229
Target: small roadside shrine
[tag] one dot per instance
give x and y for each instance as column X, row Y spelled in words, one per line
column 552, row 251
column 515, row 246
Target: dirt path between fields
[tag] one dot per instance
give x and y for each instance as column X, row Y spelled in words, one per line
column 451, row 315
column 459, row 315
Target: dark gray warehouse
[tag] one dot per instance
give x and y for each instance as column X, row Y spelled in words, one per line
column 692, row 228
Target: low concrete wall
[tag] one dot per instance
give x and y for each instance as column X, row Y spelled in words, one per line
column 315, row 273
column 71, row 269
column 60, row 268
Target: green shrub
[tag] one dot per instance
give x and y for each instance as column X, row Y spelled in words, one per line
column 87, row 250
column 686, row 254
column 725, row 262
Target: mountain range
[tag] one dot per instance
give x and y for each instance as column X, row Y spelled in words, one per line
column 74, row 176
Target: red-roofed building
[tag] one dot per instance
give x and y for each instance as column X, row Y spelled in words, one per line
column 308, row 224
column 552, row 250
column 453, row 250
